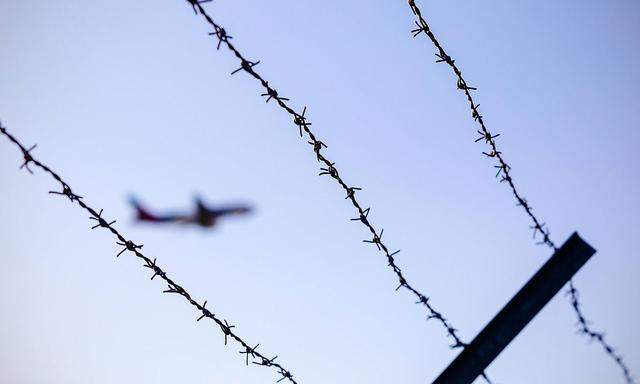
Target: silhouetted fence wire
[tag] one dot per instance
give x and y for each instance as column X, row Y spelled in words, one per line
column 329, row 168
column 504, row 172
column 128, row 245
column 300, row 120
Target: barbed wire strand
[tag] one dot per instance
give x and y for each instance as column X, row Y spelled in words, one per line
column 329, row 168
column 172, row 287
column 504, row 172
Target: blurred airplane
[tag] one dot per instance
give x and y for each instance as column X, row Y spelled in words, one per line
column 203, row 216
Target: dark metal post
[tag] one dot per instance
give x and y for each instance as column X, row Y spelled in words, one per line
column 518, row 312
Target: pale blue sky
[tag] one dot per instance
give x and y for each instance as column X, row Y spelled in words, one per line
column 128, row 97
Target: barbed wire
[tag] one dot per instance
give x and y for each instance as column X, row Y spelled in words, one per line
column 503, row 169
column 328, row 168
column 257, row 358
column 504, row 172
column 585, row 329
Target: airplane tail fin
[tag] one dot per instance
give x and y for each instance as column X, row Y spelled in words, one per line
column 141, row 213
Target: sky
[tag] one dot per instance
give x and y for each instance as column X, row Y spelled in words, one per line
column 132, row 98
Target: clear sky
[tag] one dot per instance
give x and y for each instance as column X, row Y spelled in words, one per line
column 132, row 97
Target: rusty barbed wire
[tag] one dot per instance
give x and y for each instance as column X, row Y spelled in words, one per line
column 328, row 168
column 504, row 172
column 257, row 358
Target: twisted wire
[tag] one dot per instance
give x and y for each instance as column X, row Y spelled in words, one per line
column 504, row 172
column 328, row 168
column 585, row 329
column 129, row 246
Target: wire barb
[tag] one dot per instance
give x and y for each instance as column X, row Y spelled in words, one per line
column 101, row 222
column 222, row 36
column 27, row 157
column 265, row 362
column 330, row 170
column 301, row 121
column 351, row 192
column 273, row 94
column 377, row 239
column 66, row 191
column 197, row 2
column 249, row 351
column 128, row 246
column 226, row 329
column 247, row 66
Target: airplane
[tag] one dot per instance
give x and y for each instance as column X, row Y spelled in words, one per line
column 203, row 216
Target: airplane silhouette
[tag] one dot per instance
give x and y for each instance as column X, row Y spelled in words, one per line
column 203, row 216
